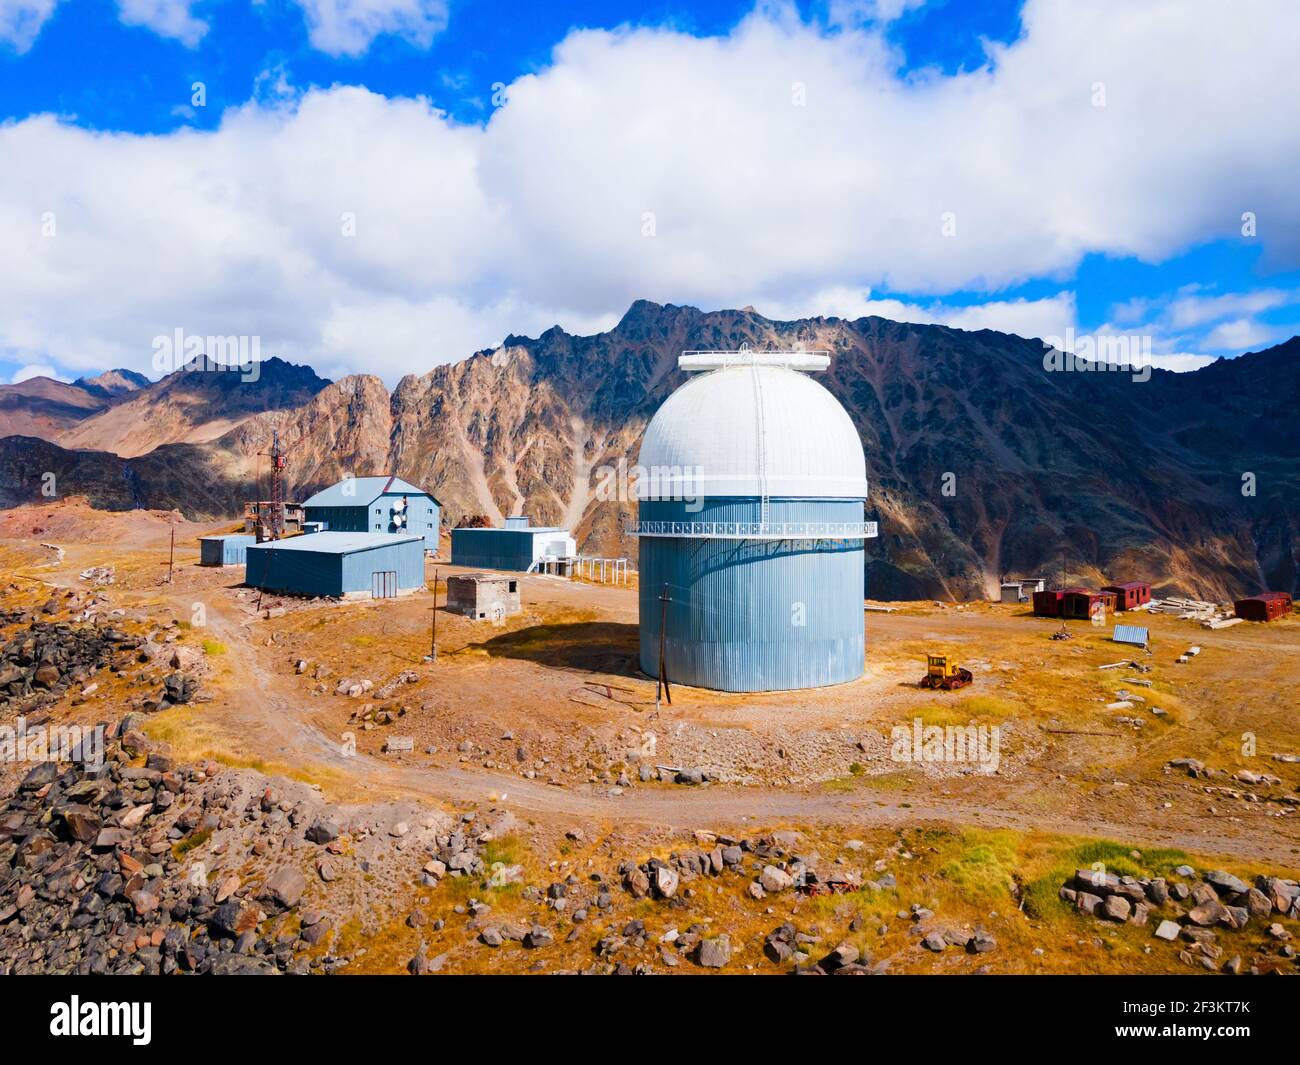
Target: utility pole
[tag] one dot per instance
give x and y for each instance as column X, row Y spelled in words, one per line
column 171, row 558
column 662, row 681
column 1064, row 630
column 433, row 637
column 266, row 571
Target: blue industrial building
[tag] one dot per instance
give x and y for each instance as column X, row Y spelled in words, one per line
column 518, row 546
column 751, row 520
column 339, row 564
column 376, row 504
column 224, row 550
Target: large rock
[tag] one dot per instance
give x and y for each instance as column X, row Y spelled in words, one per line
column 537, row 936
column 1259, row 904
column 46, row 677
column 286, row 886
column 1167, row 930
column 665, row 882
column 844, row 954
column 773, row 879
column 1226, row 883
column 323, row 830
column 84, row 825
column 1207, row 914
column 1095, row 881
column 1116, row 908
column 235, row 917
column 1088, row 903
column 714, row 952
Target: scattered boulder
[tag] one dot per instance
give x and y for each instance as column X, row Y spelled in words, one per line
column 714, row 952
column 323, row 831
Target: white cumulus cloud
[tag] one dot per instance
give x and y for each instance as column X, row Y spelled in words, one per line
column 782, row 165
column 347, row 27
column 21, row 21
column 1050, row 316
column 167, row 18
column 26, row 373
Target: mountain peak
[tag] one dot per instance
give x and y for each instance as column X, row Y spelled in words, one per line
column 114, row 382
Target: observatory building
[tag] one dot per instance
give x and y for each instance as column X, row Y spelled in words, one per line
column 376, row 504
column 751, row 495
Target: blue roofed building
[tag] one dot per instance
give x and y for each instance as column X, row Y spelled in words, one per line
column 376, row 505
column 338, row 564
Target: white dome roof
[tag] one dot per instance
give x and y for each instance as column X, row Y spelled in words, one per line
column 752, row 431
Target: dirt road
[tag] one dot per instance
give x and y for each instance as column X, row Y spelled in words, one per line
column 271, row 719
column 270, row 715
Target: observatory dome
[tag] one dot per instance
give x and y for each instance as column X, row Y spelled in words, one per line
column 753, row 431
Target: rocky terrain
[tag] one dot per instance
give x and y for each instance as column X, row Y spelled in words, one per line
column 1190, row 480
column 1188, row 909
column 279, row 793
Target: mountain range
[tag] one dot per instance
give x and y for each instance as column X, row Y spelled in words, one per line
column 44, row 407
column 983, row 462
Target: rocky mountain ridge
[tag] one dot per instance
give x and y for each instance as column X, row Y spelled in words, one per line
column 45, row 407
column 982, row 461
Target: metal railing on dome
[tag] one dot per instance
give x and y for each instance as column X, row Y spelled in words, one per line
column 759, row 530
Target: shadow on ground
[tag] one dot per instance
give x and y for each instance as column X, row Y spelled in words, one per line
column 592, row 646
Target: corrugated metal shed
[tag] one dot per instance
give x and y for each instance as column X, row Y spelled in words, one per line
column 1134, row 634
column 338, row 564
column 224, row 550
column 509, row 549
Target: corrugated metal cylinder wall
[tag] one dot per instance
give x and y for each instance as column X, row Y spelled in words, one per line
column 754, row 615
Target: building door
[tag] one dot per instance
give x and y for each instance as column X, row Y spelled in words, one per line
column 383, row 584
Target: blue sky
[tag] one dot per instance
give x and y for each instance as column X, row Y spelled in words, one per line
column 94, row 91
column 134, row 78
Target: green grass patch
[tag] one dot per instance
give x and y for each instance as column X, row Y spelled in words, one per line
column 974, row 708
column 196, row 839
column 506, row 850
column 985, row 864
column 1041, row 897
column 214, row 647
